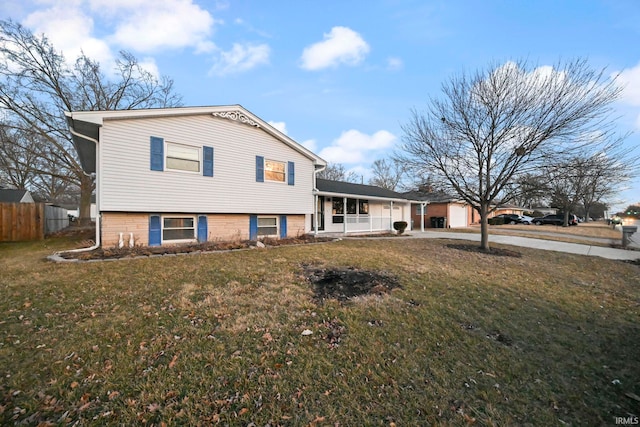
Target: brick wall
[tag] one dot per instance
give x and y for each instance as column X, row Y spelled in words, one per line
column 221, row 227
column 432, row 209
column 295, row 225
column 228, row 227
column 114, row 223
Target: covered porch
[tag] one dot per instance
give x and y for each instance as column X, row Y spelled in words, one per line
column 348, row 208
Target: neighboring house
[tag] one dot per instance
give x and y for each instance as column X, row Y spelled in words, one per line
column 10, row 195
column 544, row 210
column 507, row 209
column 435, row 204
column 345, row 207
column 178, row 175
column 93, row 211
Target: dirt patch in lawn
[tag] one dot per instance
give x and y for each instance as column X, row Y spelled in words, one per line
column 345, row 283
column 478, row 249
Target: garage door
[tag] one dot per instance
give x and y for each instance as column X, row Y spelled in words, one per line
column 457, row 216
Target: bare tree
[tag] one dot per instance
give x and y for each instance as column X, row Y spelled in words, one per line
column 337, row 172
column 529, row 190
column 18, row 160
column 507, row 120
column 387, row 173
column 37, row 86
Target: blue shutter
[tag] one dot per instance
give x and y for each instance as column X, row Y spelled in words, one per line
column 259, row 169
column 253, row 227
column 155, row 231
column 283, row 226
column 157, row 153
column 203, row 232
column 291, row 172
column 207, row 161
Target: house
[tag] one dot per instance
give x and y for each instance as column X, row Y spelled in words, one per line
column 344, row 207
column 93, row 212
column 179, row 175
column 507, row 208
column 10, row 195
column 428, row 206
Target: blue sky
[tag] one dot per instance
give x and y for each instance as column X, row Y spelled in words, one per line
column 341, row 77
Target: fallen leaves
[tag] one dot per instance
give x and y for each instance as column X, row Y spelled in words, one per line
column 173, row 361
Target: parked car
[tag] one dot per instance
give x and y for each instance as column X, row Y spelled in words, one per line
column 555, row 219
column 524, row 219
column 508, row 219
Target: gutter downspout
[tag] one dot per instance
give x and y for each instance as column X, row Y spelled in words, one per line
column 98, row 215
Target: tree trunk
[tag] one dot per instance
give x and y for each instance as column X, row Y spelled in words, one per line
column 86, row 189
column 484, row 227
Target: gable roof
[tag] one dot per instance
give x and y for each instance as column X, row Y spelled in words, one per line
column 10, row 195
column 350, row 189
column 85, row 127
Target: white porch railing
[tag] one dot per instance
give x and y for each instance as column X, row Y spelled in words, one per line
column 358, row 223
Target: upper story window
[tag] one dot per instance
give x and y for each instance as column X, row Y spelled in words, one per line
column 183, row 157
column 274, row 170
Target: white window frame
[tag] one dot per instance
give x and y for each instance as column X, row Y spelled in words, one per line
column 163, row 228
column 192, row 147
column 285, row 175
column 277, row 234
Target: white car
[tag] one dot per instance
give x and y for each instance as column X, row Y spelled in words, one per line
column 526, row 219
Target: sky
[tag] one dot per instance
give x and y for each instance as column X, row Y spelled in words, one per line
column 342, row 76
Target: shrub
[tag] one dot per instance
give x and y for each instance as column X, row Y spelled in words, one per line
column 400, row 226
column 496, row 221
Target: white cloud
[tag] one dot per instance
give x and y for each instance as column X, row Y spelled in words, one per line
column 394, row 64
column 149, row 64
column 630, row 80
column 310, row 144
column 150, row 25
column 142, row 25
column 341, row 45
column 281, row 126
column 354, row 146
column 242, row 57
column 69, row 30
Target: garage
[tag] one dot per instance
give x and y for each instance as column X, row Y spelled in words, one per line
column 457, row 215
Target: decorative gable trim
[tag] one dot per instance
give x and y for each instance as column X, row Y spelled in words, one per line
column 236, row 116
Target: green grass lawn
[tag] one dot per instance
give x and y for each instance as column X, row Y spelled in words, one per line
column 469, row 338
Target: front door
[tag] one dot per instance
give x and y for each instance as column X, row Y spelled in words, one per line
column 320, row 214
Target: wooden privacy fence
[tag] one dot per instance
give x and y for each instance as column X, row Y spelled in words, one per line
column 21, row 221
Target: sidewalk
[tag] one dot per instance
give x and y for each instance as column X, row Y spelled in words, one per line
column 527, row 242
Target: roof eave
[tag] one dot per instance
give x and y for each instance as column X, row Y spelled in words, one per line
column 360, row 196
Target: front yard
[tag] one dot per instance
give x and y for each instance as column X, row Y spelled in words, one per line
column 243, row 337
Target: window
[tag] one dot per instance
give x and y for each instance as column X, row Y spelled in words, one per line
column 178, row 228
column 351, row 206
column 183, row 157
column 267, row 226
column 338, row 211
column 274, row 171
column 364, row 207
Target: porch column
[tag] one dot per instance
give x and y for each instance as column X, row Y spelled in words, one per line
column 344, row 215
column 390, row 215
column 315, row 216
column 422, row 217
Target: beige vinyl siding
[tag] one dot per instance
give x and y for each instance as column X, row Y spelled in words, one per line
column 128, row 184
